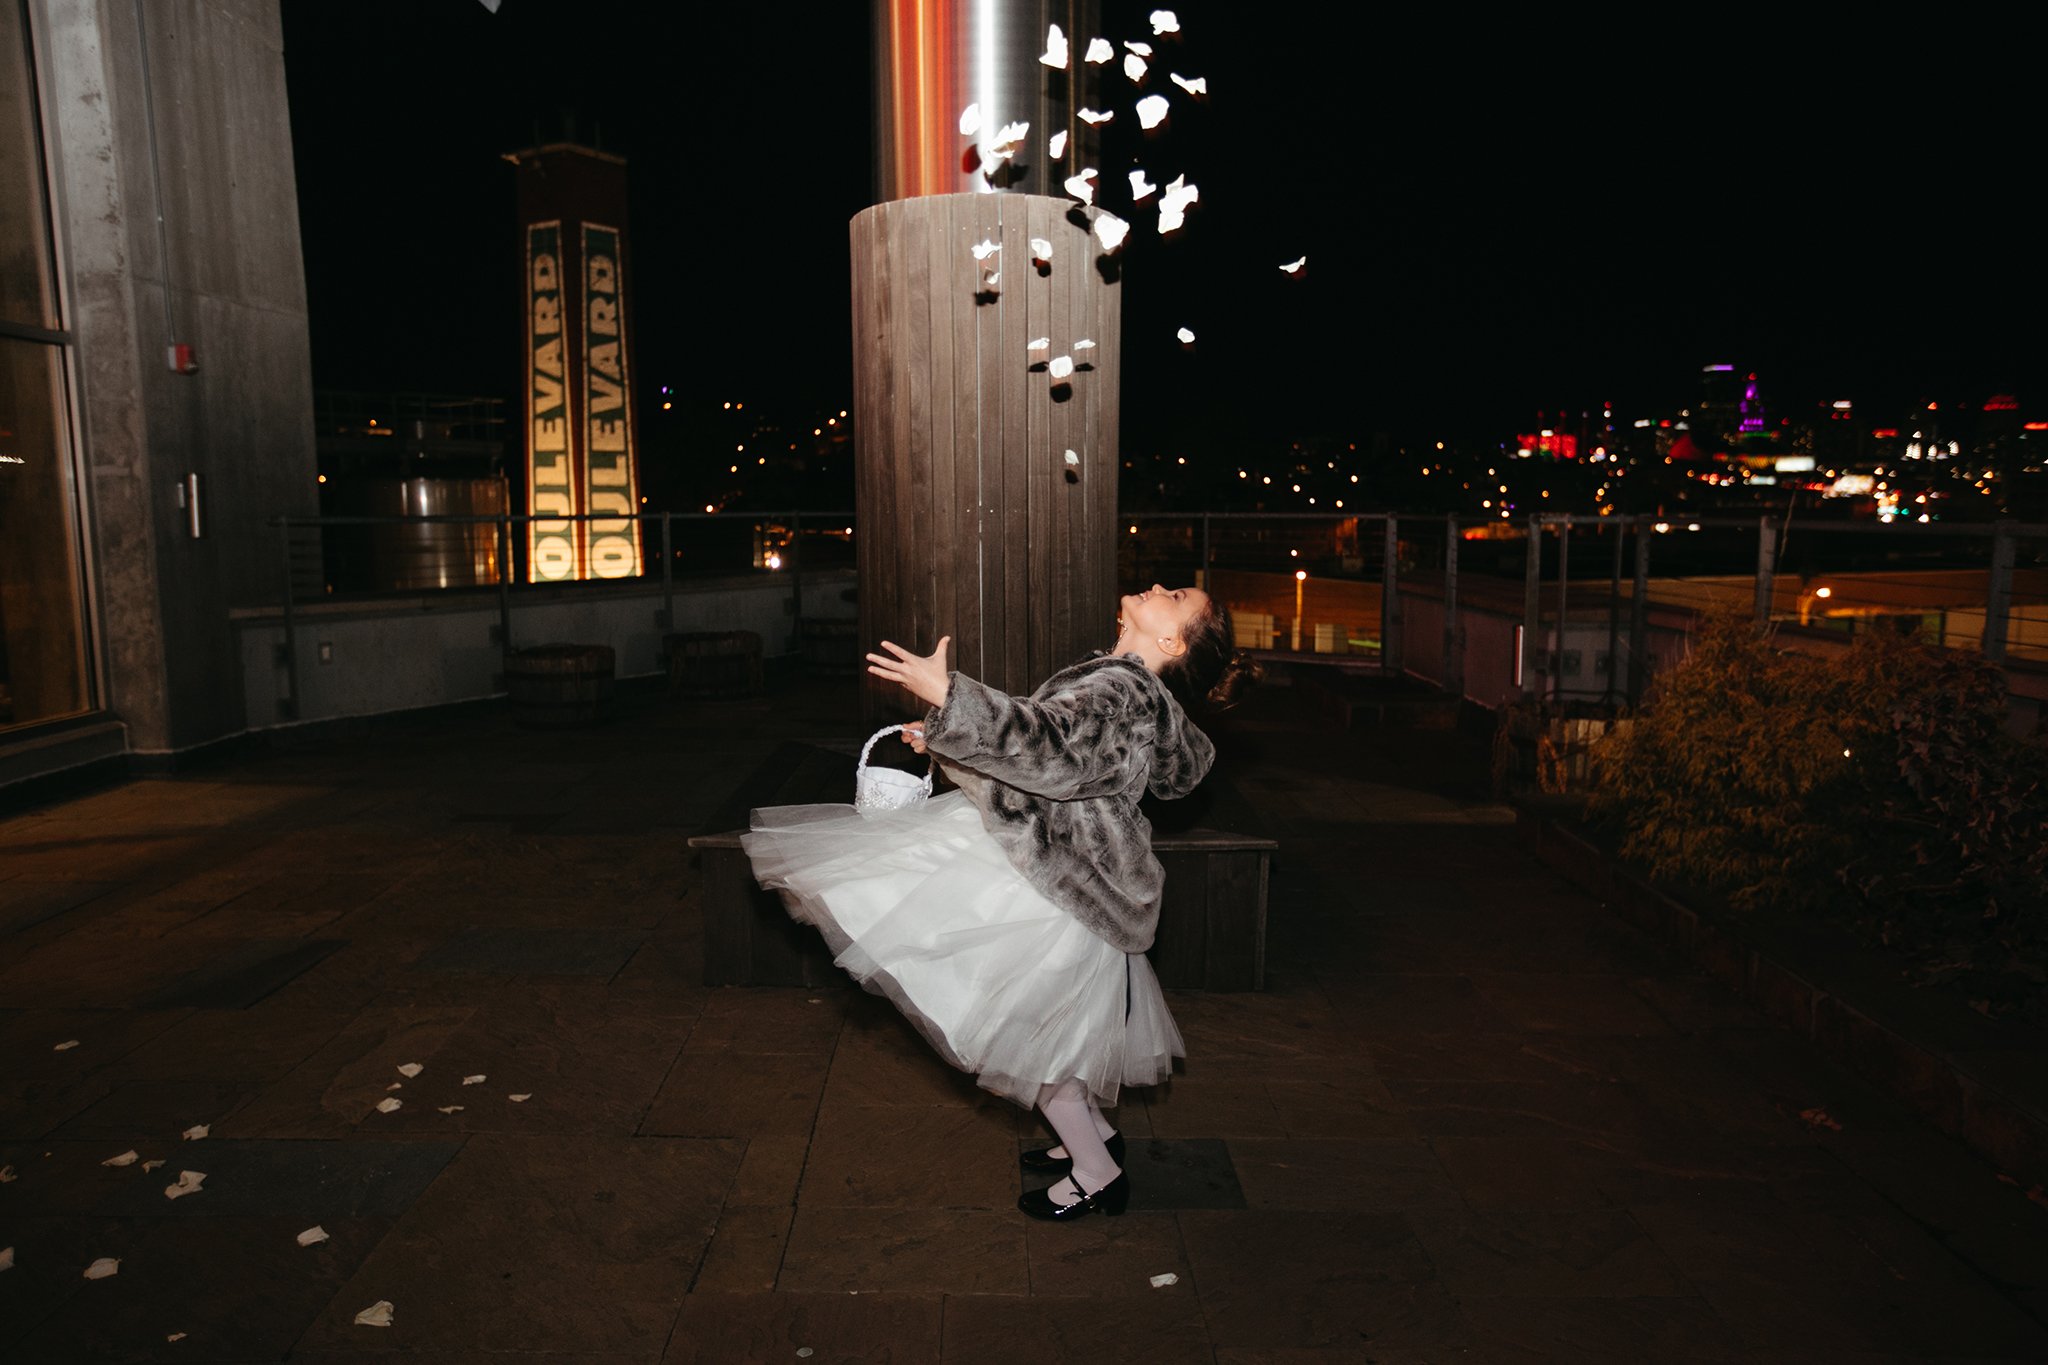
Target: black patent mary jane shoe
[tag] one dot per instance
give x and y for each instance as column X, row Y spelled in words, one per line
column 1111, row 1200
column 1040, row 1159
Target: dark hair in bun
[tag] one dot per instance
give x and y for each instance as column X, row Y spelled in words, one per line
column 1211, row 671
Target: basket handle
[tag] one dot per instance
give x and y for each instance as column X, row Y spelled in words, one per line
column 885, row 730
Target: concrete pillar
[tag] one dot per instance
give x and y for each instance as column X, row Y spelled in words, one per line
column 177, row 221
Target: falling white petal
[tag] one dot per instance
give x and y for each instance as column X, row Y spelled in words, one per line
column 410, row 1070
column 1039, row 345
column 1055, row 54
column 984, row 249
column 390, row 1106
column 1083, row 345
column 1194, row 85
column 451, row 1108
column 196, row 1132
column 1110, row 230
column 970, row 120
column 1173, row 204
column 396, row 1085
column 1082, row 185
column 1187, row 338
column 377, row 1314
column 1162, row 1281
column 1140, row 186
column 127, row 1158
column 1099, row 51
column 1152, row 111
column 151, row 1165
column 520, row 1099
column 1008, row 138
column 1057, row 147
column 1294, row 267
column 175, row 1336
column 66, row 1046
column 1092, row 117
column 312, row 1236
column 6, row 1175
column 1164, row 21
column 1041, row 250
column 477, row 1079
column 1072, row 458
column 6, row 1258
column 1134, row 67
column 103, row 1267
column 1061, row 367
column 991, row 281
column 1142, row 49
column 188, row 1183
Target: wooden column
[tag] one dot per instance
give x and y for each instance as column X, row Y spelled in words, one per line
column 971, row 522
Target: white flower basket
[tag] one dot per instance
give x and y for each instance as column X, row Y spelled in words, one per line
column 876, row 789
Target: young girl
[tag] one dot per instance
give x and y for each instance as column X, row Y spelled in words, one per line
column 1009, row 920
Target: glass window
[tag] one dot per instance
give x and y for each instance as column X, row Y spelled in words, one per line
column 26, row 293
column 42, row 639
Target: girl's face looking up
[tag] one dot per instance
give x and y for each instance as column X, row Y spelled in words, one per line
column 1159, row 613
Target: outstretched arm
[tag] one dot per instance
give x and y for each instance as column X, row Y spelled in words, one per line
column 1073, row 744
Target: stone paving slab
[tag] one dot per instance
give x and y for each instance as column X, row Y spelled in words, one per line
column 1475, row 1117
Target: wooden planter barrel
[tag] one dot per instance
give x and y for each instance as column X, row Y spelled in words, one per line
column 555, row 687
column 714, row 663
column 972, row 522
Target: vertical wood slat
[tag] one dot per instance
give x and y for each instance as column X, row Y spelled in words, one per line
column 964, row 451
column 967, row 523
column 1235, row 959
column 914, row 415
column 1180, row 952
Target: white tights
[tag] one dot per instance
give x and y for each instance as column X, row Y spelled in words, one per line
column 1072, row 1113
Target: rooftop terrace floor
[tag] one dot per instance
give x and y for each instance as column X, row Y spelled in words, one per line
column 1474, row 1117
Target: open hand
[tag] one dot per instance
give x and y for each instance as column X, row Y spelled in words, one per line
column 925, row 675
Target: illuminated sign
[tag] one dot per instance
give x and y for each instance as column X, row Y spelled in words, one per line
column 1794, row 464
column 550, row 481
column 611, row 548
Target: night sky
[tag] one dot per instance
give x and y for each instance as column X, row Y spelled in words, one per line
column 1498, row 221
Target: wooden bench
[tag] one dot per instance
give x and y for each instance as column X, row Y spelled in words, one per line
column 1212, row 923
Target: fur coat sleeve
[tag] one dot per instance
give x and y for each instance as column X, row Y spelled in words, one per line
column 1063, row 772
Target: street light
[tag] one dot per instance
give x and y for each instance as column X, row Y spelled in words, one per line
column 1300, row 577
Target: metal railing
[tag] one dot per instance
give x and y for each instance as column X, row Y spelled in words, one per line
column 344, row 559
column 1335, row 586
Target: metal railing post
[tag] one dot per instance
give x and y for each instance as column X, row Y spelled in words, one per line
column 288, row 705
column 1766, row 568
column 1998, row 597
column 1564, row 573
column 1390, row 597
column 668, row 578
column 1613, row 618
column 505, row 572
column 1532, row 607
column 796, row 575
column 1639, row 617
column 1454, row 660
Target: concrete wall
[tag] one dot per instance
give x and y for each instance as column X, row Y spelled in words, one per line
column 441, row 648
column 223, row 274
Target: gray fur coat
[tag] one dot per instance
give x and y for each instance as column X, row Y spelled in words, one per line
column 1057, row 777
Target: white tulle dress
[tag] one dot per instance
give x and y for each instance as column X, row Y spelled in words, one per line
column 922, row 906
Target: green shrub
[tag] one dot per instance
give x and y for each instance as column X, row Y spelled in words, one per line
column 1875, row 785
column 1737, row 773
